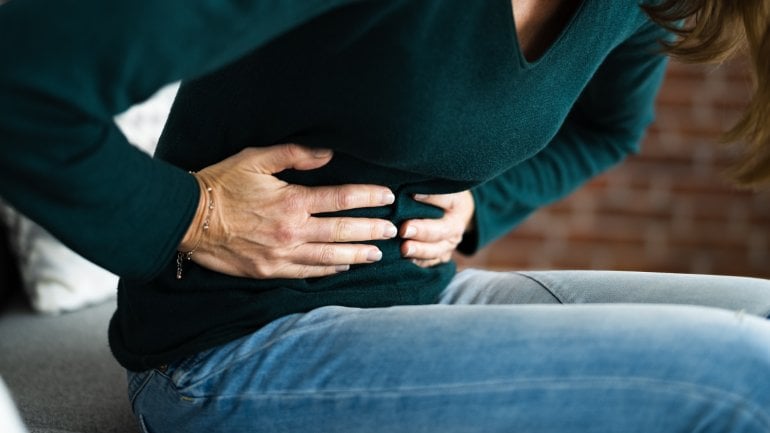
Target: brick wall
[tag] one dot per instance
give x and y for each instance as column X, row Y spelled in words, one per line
column 666, row 209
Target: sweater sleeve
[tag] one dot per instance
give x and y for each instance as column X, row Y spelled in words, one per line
column 68, row 66
column 606, row 123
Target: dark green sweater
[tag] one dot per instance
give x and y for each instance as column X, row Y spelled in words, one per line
column 422, row 96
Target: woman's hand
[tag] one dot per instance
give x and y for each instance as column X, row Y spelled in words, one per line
column 263, row 227
column 432, row 241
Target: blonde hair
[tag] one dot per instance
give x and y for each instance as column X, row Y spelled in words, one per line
column 712, row 31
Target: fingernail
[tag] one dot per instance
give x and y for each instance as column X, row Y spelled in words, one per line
column 321, row 153
column 342, row 268
column 409, row 250
column 374, row 255
column 420, row 196
column 388, row 198
column 390, row 231
column 410, row 231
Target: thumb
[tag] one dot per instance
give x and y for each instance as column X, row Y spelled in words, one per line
column 275, row 159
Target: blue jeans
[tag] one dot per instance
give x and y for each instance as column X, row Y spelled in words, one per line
column 496, row 354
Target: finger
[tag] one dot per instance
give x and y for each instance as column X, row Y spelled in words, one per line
column 346, row 197
column 334, row 254
column 275, row 159
column 428, row 263
column 427, row 230
column 308, row 271
column 426, row 250
column 444, row 201
column 348, row 229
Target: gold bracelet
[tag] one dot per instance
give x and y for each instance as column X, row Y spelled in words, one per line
column 181, row 256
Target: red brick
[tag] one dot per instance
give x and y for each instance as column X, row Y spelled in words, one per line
column 668, row 209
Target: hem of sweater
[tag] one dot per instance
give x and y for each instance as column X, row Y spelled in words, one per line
column 138, row 362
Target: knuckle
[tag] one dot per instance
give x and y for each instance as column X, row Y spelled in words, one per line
column 248, row 152
column 291, row 151
column 376, row 231
column 342, row 230
column 343, row 199
column 263, row 270
column 303, row 272
column 272, row 254
column 326, row 255
column 294, row 203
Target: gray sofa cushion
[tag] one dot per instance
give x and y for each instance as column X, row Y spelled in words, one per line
column 61, row 373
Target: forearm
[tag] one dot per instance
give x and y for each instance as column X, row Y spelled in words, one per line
column 574, row 156
column 606, row 123
column 69, row 66
column 86, row 201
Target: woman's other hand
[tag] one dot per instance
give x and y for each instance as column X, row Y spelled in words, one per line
column 262, row 227
column 432, row 241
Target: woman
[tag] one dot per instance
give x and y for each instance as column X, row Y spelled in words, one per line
column 421, row 126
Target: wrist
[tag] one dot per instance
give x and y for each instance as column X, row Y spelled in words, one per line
column 197, row 229
column 194, row 234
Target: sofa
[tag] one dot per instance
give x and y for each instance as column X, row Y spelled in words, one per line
column 59, row 368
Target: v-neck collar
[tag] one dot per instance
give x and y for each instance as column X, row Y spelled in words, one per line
column 513, row 32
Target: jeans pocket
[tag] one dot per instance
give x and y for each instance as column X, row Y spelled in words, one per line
column 136, row 383
column 185, row 371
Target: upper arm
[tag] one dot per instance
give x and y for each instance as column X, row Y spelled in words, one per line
column 620, row 98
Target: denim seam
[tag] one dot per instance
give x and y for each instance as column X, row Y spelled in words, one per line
column 143, row 425
column 140, row 388
column 540, row 283
column 695, row 391
column 182, row 369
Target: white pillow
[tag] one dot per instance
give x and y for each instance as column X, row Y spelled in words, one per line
column 143, row 123
column 10, row 422
column 55, row 278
